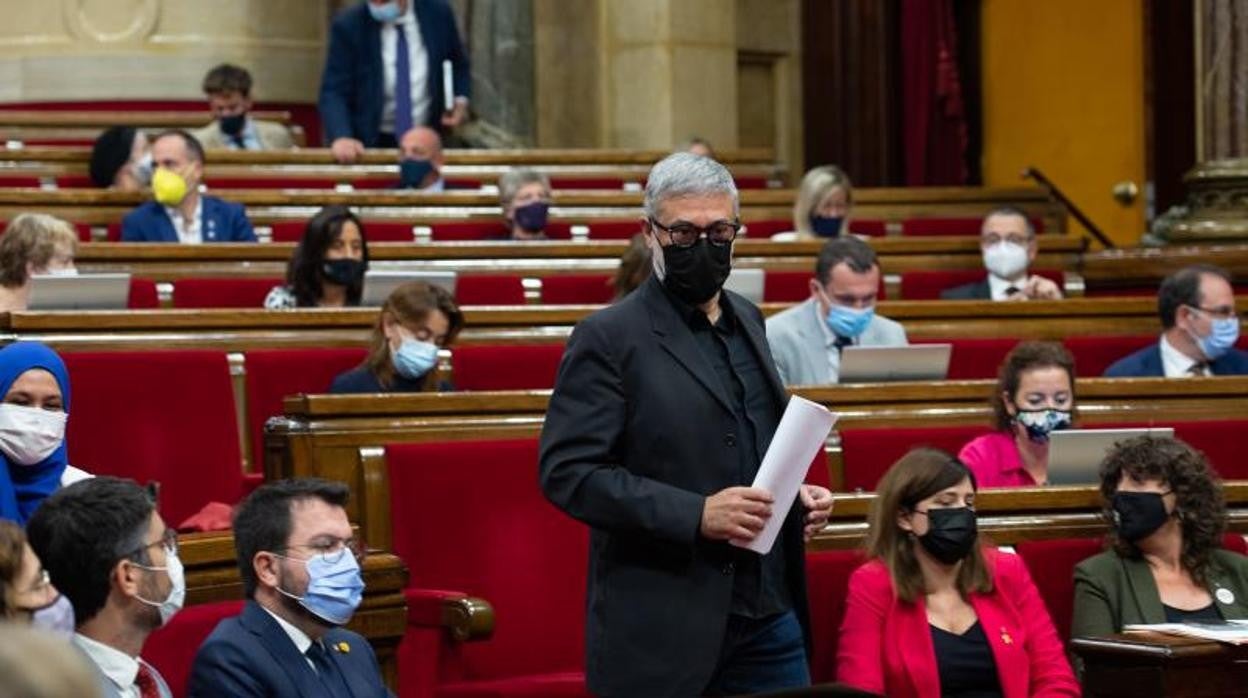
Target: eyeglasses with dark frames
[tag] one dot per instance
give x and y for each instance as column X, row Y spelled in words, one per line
column 687, row 234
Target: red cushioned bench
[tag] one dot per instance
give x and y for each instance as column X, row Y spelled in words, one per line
column 374, row 231
column 827, row 586
column 577, row 289
column 143, row 294
column 489, row 289
column 163, row 416
column 171, row 648
column 222, row 293
column 506, row 367
column 503, row 543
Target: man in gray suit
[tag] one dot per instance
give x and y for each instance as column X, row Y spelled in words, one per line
column 806, row 340
column 107, row 550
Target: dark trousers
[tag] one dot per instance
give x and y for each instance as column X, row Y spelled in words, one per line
column 759, row 655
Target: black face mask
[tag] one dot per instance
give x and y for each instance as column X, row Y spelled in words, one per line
column 1138, row 514
column 951, row 533
column 344, row 272
column 696, row 273
column 233, row 125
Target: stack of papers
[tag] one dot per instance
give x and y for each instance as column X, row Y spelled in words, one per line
column 1233, row 632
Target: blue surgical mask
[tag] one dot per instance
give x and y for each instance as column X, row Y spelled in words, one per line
column 385, row 12
column 414, row 358
column 412, row 173
column 335, row 589
column 849, row 322
column 1223, row 334
column 1040, row 423
column 827, row 226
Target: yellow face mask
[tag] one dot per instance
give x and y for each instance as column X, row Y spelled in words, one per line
column 168, row 186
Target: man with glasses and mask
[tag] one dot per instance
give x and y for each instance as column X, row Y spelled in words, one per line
column 807, row 339
column 662, row 410
column 1008, row 243
column 1199, row 329
column 301, row 575
column 106, row 548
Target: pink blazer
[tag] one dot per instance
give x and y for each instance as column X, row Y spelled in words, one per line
column 886, row 644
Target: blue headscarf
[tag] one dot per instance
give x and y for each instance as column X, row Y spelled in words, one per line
column 24, row 487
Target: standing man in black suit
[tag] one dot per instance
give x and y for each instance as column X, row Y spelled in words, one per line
column 1008, row 243
column 664, row 406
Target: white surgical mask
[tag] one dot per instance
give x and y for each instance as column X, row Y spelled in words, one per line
column 1005, row 259
column 29, row 434
column 177, row 593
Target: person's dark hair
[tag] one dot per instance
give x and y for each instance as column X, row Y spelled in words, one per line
column 1199, row 504
column 12, row 554
column 303, row 274
column 410, row 304
column 262, row 521
column 634, row 269
column 82, row 531
column 1027, row 356
column 1008, row 210
column 1183, row 288
column 227, row 78
column 109, row 153
column 918, row 475
column 193, row 147
column 850, row 250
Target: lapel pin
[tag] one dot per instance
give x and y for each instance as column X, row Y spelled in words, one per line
column 1005, row 637
column 1225, row 596
column 343, row 647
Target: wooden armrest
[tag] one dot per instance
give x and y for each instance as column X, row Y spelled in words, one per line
column 465, row 617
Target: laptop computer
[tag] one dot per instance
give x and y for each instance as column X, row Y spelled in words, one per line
column 379, row 283
column 914, row 362
column 1075, row 455
column 79, row 292
column 747, row 282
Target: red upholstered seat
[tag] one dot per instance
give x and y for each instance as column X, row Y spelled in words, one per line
column 506, row 367
column 1095, row 354
column 1216, row 439
column 171, row 649
column 869, row 453
column 577, row 289
column 761, row 230
column 74, row 181
column 951, row 226
column 1052, row 566
column 489, row 289
column 222, row 293
column 114, row 232
column 490, row 229
column 374, row 231
column 468, row 517
column 975, row 357
column 165, row 416
column 143, row 294
column 872, row 228
column 794, row 286
column 558, row 183
column 751, row 182
column 827, row 581
column 613, row 230
column 20, row 181
column 272, row 183
column 273, row 374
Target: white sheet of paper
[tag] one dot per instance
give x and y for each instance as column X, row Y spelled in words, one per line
column 802, row 432
column 448, row 86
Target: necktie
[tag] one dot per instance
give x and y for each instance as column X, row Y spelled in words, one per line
column 1197, row 369
column 1011, row 291
column 327, row 671
column 842, row 342
column 238, row 141
column 402, row 85
column 145, row 680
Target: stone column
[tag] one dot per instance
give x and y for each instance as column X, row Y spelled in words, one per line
column 1221, row 79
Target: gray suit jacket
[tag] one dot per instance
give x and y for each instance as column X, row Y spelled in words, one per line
column 273, row 136
column 800, row 348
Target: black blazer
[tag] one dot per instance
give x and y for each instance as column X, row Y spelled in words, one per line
column 638, row 432
column 979, row 290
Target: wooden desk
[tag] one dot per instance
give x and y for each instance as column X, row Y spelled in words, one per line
column 82, row 118
column 1145, row 267
column 212, row 575
column 1144, row 665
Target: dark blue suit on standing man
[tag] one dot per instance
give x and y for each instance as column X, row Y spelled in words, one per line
column 352, row 89
column 250, row 655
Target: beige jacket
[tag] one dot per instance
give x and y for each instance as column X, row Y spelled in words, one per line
column 273, row 136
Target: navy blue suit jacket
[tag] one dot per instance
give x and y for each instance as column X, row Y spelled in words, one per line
column 250, row 655
column 1147, row 362
column 223, row 221
column 352, row 89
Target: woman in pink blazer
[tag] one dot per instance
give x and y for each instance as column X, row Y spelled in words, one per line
column 934, row 612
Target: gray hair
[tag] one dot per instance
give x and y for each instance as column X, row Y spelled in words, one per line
column 685, row 174
column 509, row 184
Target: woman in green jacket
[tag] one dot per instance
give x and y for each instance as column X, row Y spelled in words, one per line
column 1165, row 563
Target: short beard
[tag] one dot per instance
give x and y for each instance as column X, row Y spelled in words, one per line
column 293, row 607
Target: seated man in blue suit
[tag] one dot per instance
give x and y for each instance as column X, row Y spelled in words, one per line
column 1197, row 309
column 362, row 103
column 301, row 574
column 180, row 213
column 806, row 340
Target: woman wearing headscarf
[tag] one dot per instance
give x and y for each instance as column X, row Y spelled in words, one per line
column 35, row 408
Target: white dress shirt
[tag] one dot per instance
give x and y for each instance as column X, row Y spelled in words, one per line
column 297, row 636
column 1176, row 364
column 418, row 60
column 190, row 232
column 119, row 667
column 829, row 340
column 997, row 286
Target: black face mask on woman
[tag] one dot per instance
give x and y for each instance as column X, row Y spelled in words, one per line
column 1138, row 514
column 951, row 533
column 695, row 274
column 344, row 272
